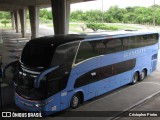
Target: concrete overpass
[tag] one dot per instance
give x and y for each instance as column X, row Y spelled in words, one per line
column 60, row 11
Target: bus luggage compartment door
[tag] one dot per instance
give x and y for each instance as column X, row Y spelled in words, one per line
column 154, row 61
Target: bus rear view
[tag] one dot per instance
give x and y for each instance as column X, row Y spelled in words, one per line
column 58, row 72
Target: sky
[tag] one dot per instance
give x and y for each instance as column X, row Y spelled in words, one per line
column 97, row 4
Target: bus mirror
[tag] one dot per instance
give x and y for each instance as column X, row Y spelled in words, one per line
column 6, row 67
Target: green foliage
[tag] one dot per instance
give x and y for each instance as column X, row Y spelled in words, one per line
column 93, row 16
column 115, row 14
column 78, row 16
column 45, row 14
column 97, row 26
column 94, row 26
column 5, row 22
column 108, row 27
column 45, row 21
column 5, row 15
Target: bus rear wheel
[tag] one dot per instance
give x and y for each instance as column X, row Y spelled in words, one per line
column 75, row 101
column 143, row 75
column 135, row 78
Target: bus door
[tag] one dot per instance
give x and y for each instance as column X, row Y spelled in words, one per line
column 63, row 88
column 57, row 83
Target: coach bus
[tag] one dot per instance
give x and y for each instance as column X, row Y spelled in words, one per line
column 58, row 72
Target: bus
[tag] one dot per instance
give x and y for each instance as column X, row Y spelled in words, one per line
column 62, row 71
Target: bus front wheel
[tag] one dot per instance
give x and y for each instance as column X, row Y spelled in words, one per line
column 135, row 78
column 75, row 101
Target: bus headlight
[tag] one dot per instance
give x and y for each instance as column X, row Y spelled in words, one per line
column 39, row 105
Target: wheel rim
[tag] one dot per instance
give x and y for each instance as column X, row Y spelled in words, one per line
column 135, row 78
column 75, row 101
column 143, row 74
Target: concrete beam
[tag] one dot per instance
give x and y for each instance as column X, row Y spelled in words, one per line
column 34, row 2
column 78, row 1
column 10, row 7
column 61, row 12
column 13, row 20
column 18, row 2
column 22, row 14
column 34, row 21
column 16, row 16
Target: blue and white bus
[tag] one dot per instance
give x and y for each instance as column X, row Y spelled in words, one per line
column 58, row 72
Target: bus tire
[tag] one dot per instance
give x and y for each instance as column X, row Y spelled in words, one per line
column 135, row 78
column 75, row 101
column 143, row 74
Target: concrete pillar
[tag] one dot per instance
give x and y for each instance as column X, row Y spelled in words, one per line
column 34, row 21
column 61, row 13
column 22, row 14
column 12, row 20
column 16, row 16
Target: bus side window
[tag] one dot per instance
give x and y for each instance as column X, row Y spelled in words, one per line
column 118, row 45
column 85, row 51
column 64, row 54
column 154, row 38
column 129, row 43
column 113, row 45
column 125, row 43
column 139, row 41
column 99, row 47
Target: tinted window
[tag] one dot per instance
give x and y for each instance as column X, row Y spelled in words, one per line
column 34, row 55
column 95, row 48
column 65, row 54
column 113, row 45
column 139, row 41
column 105, row 72
column 153, row 38
column 87, row 50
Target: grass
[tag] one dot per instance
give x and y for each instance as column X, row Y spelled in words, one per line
column 49, row 25
column 76, row 30
column 75, row 27
column 122, row 26
column 8, row 26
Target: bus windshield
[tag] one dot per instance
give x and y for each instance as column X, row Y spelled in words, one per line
column 35, row 55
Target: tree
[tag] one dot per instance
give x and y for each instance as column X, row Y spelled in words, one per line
column 5, row 21
column 5, row 15
column 77, row 15
column 93, row 26
column 94, row 16
column 45, row 14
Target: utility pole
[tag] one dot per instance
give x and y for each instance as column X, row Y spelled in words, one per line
column 102, row 13
column 154, row 14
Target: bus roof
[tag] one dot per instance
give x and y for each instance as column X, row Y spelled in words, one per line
column 124, row 32
column 62, row 39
